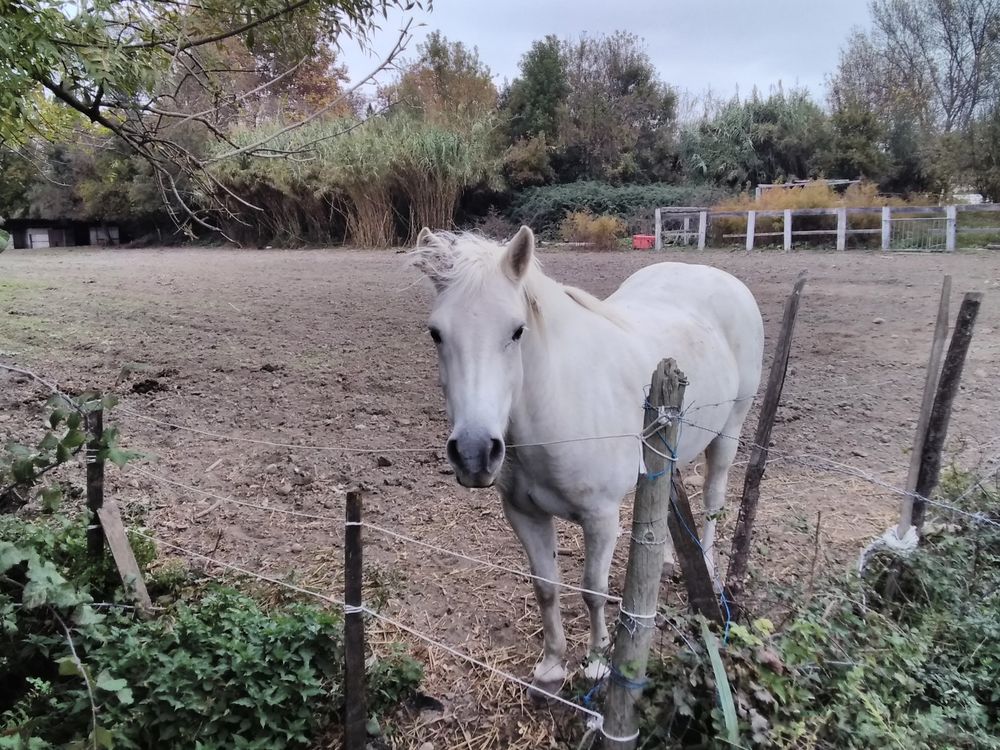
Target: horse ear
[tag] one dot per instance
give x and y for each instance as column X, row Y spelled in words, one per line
column 520, row 250
column 432, row 257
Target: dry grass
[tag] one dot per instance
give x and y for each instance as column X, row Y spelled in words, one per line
column 601, row 232
column 814, row 195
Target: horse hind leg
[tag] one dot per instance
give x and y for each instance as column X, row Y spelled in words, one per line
column 719, row 457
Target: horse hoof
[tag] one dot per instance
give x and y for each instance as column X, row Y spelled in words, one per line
column 541, row 691
column 596, row 670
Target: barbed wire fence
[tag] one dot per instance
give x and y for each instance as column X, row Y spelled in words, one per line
column 988, row 470
column 594, row 718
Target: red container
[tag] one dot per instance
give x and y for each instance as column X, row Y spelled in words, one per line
column 643, row 241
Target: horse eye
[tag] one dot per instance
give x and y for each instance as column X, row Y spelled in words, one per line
column 518, row 334
column 435, row 335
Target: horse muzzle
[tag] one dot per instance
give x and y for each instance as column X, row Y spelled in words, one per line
column 476, row 456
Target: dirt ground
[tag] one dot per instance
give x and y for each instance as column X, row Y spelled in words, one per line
column 328, row 349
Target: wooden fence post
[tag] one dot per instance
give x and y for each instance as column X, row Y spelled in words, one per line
column 637, row 613
column 690, row 554
column 886, row 227
column 355, row 719
column 950, row 227
column 841, row 228
column 687, row 231
column 787, row 226
column 702, row 228
column 927, row 403
column 947, row 388
column 94, row 422
column 658, row 229
column 751, row 228
column 736, row 575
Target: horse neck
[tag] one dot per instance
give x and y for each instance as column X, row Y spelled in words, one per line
column 566, row 341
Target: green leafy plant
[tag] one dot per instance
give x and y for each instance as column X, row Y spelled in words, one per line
column 24, row 468
column 217, row 669
column 853, row 668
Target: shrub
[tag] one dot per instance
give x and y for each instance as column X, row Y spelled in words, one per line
column 853, row 669
column 544, row 208
column 602, row 232
column 813, row 195
column 219, row 670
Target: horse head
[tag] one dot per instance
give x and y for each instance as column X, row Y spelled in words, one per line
column 479, row 318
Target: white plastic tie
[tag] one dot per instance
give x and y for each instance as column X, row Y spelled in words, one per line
column 902, row 547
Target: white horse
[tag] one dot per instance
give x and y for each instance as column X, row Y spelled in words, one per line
column 528, row 362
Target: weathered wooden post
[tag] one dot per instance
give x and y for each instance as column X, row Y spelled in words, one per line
column 690, row 554
column 947, row 388
column 841, row 228
column 702, row 228
column 736, row 575
column 658, row 229
column 355, row 721
column 950, row 227
column 637, row 616
column 94, row 423
column 787, row 226
column 751, row 227
column 886, row 227
column 927, row 403
column 687, row 231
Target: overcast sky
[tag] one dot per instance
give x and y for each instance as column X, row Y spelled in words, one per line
column 696, row 44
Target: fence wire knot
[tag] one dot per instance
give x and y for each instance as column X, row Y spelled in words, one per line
column 596, row 724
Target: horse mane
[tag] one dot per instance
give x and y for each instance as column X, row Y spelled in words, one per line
column 467, row 260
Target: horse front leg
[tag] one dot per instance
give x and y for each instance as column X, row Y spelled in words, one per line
column 599, row 536
column 537, row 533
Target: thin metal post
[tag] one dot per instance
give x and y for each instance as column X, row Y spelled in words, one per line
column 355, row 722
column 95, row 481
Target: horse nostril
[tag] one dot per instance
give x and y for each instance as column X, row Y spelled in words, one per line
column 496, row 451
column 452, row 450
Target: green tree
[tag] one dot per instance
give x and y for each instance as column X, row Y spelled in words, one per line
column 758, row 140
column 986, row 169
column 618, row 117
column 128, row 66
column 535, row 98
column 858, row 145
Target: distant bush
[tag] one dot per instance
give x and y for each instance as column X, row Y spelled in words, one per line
column 602, row 232
column 544, row 208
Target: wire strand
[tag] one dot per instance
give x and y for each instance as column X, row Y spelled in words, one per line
column 597, row 718
column 478, row 561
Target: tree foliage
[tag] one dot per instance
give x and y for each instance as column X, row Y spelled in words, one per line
column 617, row 115
column 533, row 102
column 447, row 81
column 758, row 140
column 141, row 69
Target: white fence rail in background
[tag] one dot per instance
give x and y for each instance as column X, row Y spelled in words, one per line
column 902, row 227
